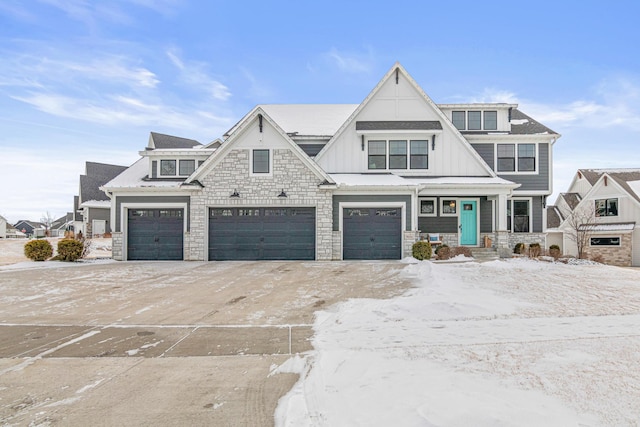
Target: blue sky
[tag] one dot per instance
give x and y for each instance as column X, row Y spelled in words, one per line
column 82, row 80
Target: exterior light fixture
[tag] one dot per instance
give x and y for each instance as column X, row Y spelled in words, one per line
column 282, row 194
column 433, row 142
column 452, row 204
column 235, row 193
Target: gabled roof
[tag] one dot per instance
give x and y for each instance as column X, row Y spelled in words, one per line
column 244, row 124
column 97, row 174
column 571, row 199
column 554, row 217
column 161, row 141
column 134, row 177
column 32, row 224
column 62, row 221
column 521, row 124
column 624, row 177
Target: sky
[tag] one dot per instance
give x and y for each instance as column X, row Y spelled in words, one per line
column 87, row 81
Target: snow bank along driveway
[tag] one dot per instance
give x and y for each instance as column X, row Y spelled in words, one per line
column 505, row 343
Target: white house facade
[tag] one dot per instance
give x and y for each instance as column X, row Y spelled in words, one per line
column 347, row 181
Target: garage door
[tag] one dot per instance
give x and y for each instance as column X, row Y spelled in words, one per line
column 262, row 233
column 155, row 234
column 372, row 233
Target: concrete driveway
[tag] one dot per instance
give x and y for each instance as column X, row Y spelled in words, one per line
column 165, row 343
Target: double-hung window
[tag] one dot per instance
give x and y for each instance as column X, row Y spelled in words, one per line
column 506, row 157
column 377, row 154
column 260, row 162
column 526, row 157
column 459, row 119
column 419, row 154
column 516, row 157
column 490, row 120
column 475, row 120
column 397, row 154
column 607, row 207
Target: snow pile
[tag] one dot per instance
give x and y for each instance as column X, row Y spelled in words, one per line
column 477, row 344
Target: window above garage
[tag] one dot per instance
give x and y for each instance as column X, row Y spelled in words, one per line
column 174, row 168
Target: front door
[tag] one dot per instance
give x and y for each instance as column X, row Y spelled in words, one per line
column 468, row 223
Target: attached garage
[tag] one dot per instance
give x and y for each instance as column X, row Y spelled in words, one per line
column 372, row 233
column 155, row 234
column 262, row 233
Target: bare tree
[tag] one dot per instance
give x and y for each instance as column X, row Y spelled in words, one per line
column 581, row 223
column 47, row 219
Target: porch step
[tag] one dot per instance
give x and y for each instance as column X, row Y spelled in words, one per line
column 485, row 254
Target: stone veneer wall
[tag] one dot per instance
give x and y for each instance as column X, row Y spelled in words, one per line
column 410, row 237
column 527, row 239
column 116, row 246
column 613, row 255
column 289, row 173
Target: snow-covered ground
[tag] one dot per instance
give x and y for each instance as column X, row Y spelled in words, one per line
column 12, row 253
column 503, row 343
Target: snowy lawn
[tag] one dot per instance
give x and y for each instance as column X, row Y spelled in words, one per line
column 503, row 343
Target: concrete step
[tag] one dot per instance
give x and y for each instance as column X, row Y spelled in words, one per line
column 485, row 254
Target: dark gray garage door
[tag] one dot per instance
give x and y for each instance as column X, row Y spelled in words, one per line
column 155, row 234
column 262, row 234
column 372, row 233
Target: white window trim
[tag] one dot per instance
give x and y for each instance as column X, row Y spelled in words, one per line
column 530, row 199
column 435, row 206
column 605, row 199
column 177, row 174
column 262, row 174
column 605, row 237
column 441, row 206
column 536, row 170
column 161, row 175
column 407, row 138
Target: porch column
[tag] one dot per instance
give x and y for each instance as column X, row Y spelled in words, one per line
column 502, row 235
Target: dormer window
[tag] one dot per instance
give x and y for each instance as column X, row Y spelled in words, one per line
column 167, row 168
column 403, row 154
column 475, row 120
column 187, row 167
column 397, row 154
column 490, row 120
column 175, row 167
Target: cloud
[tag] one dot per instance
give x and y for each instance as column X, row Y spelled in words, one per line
column 355, row 63
column 194, row 74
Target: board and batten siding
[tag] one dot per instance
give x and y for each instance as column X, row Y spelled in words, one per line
column 149, row 199
column 371, row 199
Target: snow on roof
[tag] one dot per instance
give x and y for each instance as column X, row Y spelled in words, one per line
column 387, row 179
column 96, row 204
column 619, row 226
column 309, row 119
column 134, row 176
column 635, row 186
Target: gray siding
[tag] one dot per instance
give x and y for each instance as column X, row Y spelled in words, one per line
column 438, row 224
column 100, row 214
column 370, row 199
column 486, row 223
column 151, row 199
column 486, row 152
column 536, row 207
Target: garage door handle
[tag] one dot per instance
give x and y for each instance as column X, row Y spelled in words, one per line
column 157, row 239
column 262, row 239
column 372, row 238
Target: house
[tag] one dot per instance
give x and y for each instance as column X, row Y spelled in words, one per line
column 603, row 205
column 92, row 206
column 61, row 225
column 347, row 181
column 3, row 228
column 29, row 227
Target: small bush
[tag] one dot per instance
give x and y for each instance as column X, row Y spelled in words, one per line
column 38, row 250
column 422, row 250
column 519, row 248
column 70, row 249
column 554, row 251
column 534, row 250
column 598, row 258
column 461, row 250
column 443, row 252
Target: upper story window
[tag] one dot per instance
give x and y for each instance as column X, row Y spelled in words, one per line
column 475, row 120
column 260, row 162
column 186, row 167
column 167, row 168
column 173, row 167
column 402, row 154
column 607, row 207
column 506, row 157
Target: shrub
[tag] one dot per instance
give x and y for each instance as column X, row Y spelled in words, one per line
column 422, row 250
column 598, row 258
column 70, row 249
column 519, row 248
column 443, row 252
column 461, row 250
column 38, row 250
column 534, row 250
column 554, row 251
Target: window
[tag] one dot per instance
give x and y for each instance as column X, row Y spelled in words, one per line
column 519, row 216
column 475, row 120
column 260, row 161
column 607, row 207
column 419, row 154
column 526, row 157
column 377, row 154
column 397, row 154
column 490, row 120
column 187, row 167
column 506, row 157
column 449, row 207
column 168, row 167
column 459, row 119
column 427, row 207
column 605, row 241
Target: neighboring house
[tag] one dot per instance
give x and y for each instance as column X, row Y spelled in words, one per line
column 61, row 225
column 29, row 227
column 356, row 181
column 92, row 206
column 607, row 202
column 3, row 228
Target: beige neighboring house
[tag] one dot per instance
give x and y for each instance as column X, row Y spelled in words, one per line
column 608, row 200
column 3, row 228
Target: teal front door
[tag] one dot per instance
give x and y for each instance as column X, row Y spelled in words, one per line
column 468, row 223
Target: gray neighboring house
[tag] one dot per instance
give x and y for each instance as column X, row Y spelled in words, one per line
column 340, row 181
column 92, row 206
column 61, row 225
column 609, row 199
column 28, row 227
